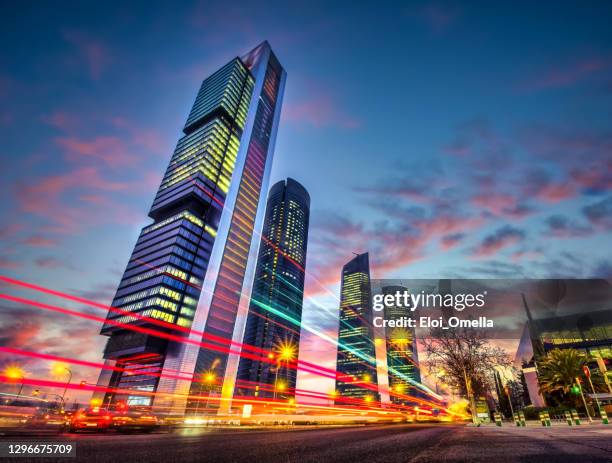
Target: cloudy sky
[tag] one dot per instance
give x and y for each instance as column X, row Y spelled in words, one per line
column 445, row 139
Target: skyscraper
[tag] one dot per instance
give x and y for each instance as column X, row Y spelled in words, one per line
column 192, row 268
column 356, row 365
column 275, row 312
column 402, row 355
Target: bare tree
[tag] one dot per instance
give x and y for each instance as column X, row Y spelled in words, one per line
column 466, row 361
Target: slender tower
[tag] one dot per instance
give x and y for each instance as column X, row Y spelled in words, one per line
column 356, row 364
column 191, row 271
column 275, row 313
column 402, row 355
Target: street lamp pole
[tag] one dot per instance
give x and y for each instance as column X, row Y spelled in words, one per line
column 20, row 389
column 14, row 372
column 67, row 384
column 276, row 378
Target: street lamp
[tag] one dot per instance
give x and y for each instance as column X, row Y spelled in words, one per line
column 286, row 352
column 15, row 373
column 207, row 378
column 58, row 369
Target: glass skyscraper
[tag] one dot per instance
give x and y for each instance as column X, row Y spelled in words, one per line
column 191, row 270
column 402, row 355
column 275, row 313
column 356, row 362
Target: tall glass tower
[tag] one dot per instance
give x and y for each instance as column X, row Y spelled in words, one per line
column 191, row 270
column 275, row 313
column 402, row 353
column 356, row 364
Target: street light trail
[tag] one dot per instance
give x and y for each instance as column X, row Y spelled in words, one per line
column 138, row 329
column 119, row 391
column 149, row 320
column 307, row 366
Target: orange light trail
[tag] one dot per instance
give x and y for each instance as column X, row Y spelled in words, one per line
column 300, row 365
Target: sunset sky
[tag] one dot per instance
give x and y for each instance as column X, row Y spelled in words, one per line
column 447, row 140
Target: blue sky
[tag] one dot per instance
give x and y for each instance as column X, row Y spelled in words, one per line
column 448, row 139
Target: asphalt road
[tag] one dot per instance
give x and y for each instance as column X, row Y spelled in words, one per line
column 396, row 443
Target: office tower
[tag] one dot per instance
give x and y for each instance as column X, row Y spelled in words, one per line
column 357, row 380
column 192, row 268
column 402, row 355
column 275, row 313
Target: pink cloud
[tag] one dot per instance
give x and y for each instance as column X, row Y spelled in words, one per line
column 445, row 223
column 525, row 255
column 9, row 230
column 49, row 262
column 496, row 203
column 93, row 52
column 598, row 178
column 147, row 138
column 316, row 349
column 62, row 120
column 9, row 264
column 45, row 198
column 40, row 241
column 30, row 329
column 448, row 242
column 110, row 150
column 392, row 246
column 565, row 76
column 318, row 109
column 556, row 192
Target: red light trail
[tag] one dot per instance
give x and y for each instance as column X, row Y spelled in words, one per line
column 300, row 365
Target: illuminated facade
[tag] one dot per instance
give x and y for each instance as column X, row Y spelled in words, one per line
column 275, row 312
column 402, row 354
column 356, row 362
column 190, row 273
column 587, row 327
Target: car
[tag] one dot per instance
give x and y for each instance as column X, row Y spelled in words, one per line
column 133, row 419
column 93, row 419
column 48, row 419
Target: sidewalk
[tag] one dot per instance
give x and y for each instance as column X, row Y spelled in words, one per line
column 536, row 424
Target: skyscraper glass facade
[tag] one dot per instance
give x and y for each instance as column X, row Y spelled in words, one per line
column 190, row 269
column 275, row 311
column 402, row 354
column 356, row 360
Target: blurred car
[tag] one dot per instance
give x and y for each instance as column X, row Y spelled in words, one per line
column 48, row 419
column 94, row 419
column 135, row 419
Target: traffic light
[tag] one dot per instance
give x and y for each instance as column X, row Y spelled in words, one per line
column 83, row 383
column 575, row 389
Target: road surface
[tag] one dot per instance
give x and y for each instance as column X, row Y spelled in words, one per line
column 391, row 443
